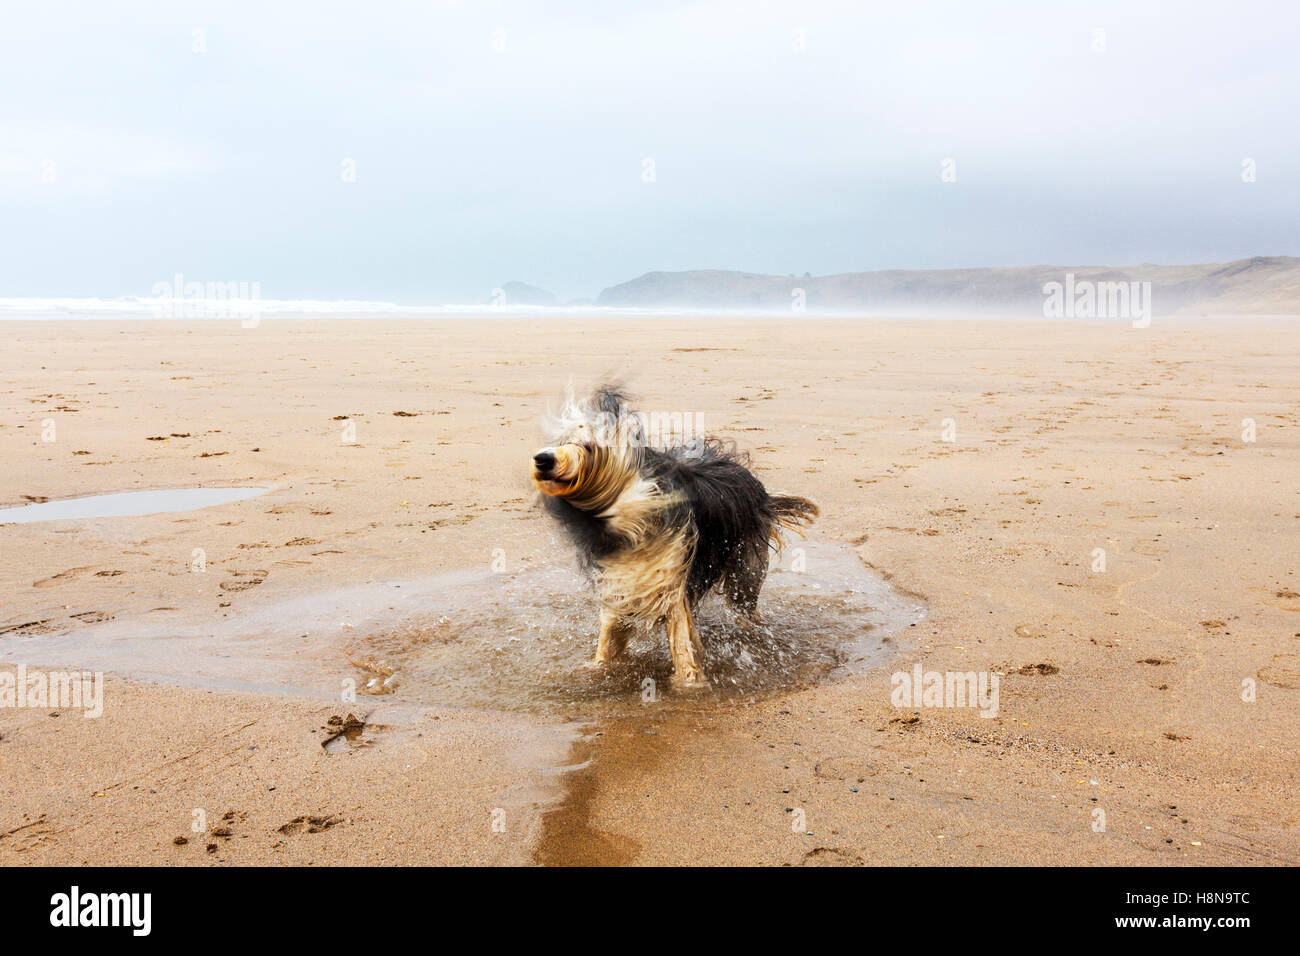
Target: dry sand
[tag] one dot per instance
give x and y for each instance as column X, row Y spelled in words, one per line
column 1069, row 437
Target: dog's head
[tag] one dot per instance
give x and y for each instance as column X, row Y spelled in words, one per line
column 595, row 450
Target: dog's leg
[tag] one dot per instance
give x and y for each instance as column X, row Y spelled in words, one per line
column 684, row 645
column 614, row 634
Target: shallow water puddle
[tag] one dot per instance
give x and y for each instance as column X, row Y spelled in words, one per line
column 126, row 504
column 519, row 642
column 512, row 642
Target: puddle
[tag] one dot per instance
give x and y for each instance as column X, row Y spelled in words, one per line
column 502, row 642
column 126, row 504
column 519, row 642
column 510, row 644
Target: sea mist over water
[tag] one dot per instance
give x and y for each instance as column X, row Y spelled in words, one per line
column 1261, row 284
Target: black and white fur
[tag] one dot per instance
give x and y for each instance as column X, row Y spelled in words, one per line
column 657, row 529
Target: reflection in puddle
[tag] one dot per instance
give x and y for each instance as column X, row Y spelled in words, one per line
column 519, row 642
column 127, row 503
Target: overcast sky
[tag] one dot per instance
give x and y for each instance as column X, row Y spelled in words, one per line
column 512, row 141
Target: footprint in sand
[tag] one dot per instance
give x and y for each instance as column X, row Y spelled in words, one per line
column 1031, row 630
column 240, row 585
column 842, row 768
column 1283, row 598
column 24, row 628
column 310, row 824
column 444, row 522
column 225, row 828
column 830, row 856
column 1283, row 672
column 1150, row 547
column 250, row 579
column 29, row 836
column 60, row 578
column 93, row 617
column 1041, row 670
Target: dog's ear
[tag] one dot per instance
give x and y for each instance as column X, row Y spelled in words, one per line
column 612, row 405
column 611, row 400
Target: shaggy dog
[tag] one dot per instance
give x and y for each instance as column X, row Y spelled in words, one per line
column 657, row 529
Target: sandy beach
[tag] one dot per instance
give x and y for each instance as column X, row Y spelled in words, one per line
column 1071, row 504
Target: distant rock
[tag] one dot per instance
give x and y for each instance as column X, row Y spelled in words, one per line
column 521, row 293
column 1263, row 284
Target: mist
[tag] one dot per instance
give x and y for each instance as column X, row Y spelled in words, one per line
column 439, row 151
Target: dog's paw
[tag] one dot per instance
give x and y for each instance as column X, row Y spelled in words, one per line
column 690, row 682
column 594, row 670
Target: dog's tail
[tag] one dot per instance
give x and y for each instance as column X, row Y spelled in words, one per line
column 791, row 513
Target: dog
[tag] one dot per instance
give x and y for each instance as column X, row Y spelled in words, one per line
column 658, row 529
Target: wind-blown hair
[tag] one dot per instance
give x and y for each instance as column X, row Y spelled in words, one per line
column 658, row 528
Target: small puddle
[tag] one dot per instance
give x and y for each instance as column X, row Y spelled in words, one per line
column 514, row 643
column 519, row 642
column 505, row 642
column 127, row 503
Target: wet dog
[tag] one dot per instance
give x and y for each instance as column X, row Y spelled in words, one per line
column 658, row 529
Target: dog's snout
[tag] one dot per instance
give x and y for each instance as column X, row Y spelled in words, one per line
column 544, row 460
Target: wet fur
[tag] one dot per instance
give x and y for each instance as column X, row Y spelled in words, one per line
column 658, row 529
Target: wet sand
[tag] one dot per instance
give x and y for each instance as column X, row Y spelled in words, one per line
column 1121, row 689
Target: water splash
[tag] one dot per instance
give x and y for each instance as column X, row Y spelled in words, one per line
column 520, row 642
